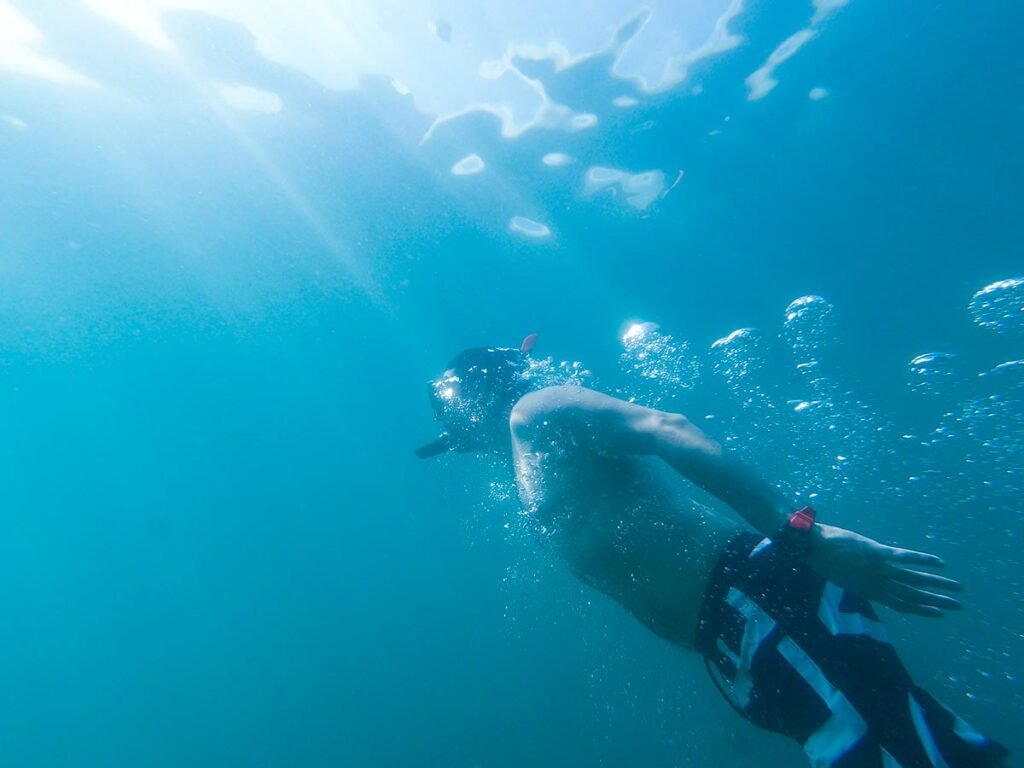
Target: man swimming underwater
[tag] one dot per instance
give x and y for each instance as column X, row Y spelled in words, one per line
column 779, row 607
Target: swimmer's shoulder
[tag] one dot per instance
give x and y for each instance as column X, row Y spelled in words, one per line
column 560, row 399
column 536, row 406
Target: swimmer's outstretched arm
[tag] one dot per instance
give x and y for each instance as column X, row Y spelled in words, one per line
column 612, row 426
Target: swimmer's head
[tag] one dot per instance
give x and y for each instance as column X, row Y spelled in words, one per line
column 474, row 397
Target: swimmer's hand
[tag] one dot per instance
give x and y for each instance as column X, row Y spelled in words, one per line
column 887, row 575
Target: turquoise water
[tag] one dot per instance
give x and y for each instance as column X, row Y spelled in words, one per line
column 234, row 243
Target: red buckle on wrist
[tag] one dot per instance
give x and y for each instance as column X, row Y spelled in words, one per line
column 802, row 519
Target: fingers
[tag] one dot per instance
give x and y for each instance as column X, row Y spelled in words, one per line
column 923, row 598
column 912, row 557
column 922, row 579
column 918, row 610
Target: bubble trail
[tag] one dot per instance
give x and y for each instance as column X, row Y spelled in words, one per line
column 658, row 363
column 749, row 420
column 999, row 306
column 739, row 357
column 934, row 374
column 1008, row 375
column 809, row 329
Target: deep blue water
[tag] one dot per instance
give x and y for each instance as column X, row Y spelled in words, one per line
column 215, row 327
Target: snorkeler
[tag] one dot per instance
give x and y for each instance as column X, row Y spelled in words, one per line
column 779, row 607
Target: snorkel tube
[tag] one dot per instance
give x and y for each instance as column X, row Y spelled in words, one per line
column 441, row 444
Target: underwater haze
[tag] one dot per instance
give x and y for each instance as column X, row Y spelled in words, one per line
column 238, row 236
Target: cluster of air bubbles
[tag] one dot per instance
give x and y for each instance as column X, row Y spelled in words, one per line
column 810, row 331
column 740, row 362
column 740, row 357
column 975, row 450
column 934, row 374
column 1008, row 376
column 995, row 419
column 1000, row 306
column 547, row 372
column 501, row 491
column 659, row 361
column 994, row 423
column 835, row 444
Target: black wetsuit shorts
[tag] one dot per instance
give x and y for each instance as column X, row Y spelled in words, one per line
column 800, row 656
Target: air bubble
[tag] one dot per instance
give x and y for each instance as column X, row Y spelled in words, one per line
column 1000, row 306
column 1007, row 376
column 529, row 228
column 638, row 189
column 660, row 364
column 809, row 329
column 556, row 159
column 934, row 374
column 468, row 165
column 739, row 355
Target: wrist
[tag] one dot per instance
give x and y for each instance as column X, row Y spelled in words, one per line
column 799, row 534
column 816, row 539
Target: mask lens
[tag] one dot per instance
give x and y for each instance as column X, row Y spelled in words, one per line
column 445, row 390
